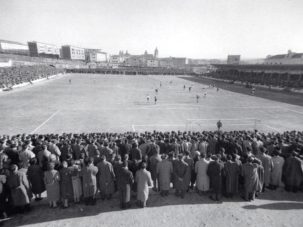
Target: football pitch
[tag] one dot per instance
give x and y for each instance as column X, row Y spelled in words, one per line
column 118, row 103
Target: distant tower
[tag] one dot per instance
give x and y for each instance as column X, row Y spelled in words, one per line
column 156, row 53
column 145, row 52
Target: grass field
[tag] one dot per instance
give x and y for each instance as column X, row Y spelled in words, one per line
column 117, row 103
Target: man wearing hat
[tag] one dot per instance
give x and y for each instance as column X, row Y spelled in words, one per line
column 214, row 171
column 164, row 173
column 267, row 164
column 251, row 178
column 179, row 171
column 106, row 177
column 124, row 181
column 276, row 174
column 293, row 172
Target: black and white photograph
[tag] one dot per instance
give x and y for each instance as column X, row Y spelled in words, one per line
column 151, row 113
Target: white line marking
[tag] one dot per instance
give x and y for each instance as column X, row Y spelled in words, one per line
column 164, row 125
column 133, row 127
column 272, row 128
column 45, row 121
column 293, row 111
column 232, row 119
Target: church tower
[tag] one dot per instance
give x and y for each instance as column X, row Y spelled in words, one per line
column 156, row 53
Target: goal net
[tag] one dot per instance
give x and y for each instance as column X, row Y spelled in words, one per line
column 227, row 124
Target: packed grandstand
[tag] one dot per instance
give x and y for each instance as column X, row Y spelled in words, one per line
column 16, row 75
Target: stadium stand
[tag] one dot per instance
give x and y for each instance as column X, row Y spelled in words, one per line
column 133, row 71
column 270, row 75
column 16, row 75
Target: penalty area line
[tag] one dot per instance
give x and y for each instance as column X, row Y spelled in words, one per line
column 44, row 122
column 272, row 128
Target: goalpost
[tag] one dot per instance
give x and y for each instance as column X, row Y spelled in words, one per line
column 229, row 124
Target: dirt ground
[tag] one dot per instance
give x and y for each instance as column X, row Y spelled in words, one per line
column 272, row 208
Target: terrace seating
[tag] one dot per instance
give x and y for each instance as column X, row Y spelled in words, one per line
column 17, row 75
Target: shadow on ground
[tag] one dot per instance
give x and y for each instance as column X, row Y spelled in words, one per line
column 276, row 206
column 41, row 213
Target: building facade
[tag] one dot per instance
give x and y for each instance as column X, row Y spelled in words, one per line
column 291, row 58
column 152, row 63
column 95, row 55
column 233, row 59
column 173, row 62
column 73, row 53
column 10, row 47
column 37, row 49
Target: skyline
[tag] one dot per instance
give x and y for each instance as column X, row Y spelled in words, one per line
column 204, row 29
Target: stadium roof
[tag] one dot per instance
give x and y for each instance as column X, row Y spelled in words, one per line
column 281, row 56
column 261, row 67
column 12, row 42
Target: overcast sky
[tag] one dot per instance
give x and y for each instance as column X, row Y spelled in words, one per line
column 181, row 28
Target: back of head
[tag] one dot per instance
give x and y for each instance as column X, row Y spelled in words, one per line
column 125, row 164
column 143, row 165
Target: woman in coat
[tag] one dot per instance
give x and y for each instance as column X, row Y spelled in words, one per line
column 35, row 176
column 19, row 186
column 51, row 180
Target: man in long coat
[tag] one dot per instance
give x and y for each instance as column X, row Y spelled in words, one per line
column 66, row 185
column 106, row 177
column 143, row 179
column 89, row 182
column 201, row 167
column 153, row 162
column 276, row 174
column 19, row 187
column 214, row 171
column 179, row 172
column 124, row 181
column 164, row 172
column 231, row 172
column 175, row 147
column 293, row 173
column 251, row 178
column 190, row 175
column 267, row 165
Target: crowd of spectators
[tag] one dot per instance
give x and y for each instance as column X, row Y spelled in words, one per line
column 75, row 168
column 19, row 74
column 255, row 76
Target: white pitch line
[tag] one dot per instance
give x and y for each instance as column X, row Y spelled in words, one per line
column 231, row 119
column 272, row 128
column 164, row 125
column 293, row 111
column 45, row 122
